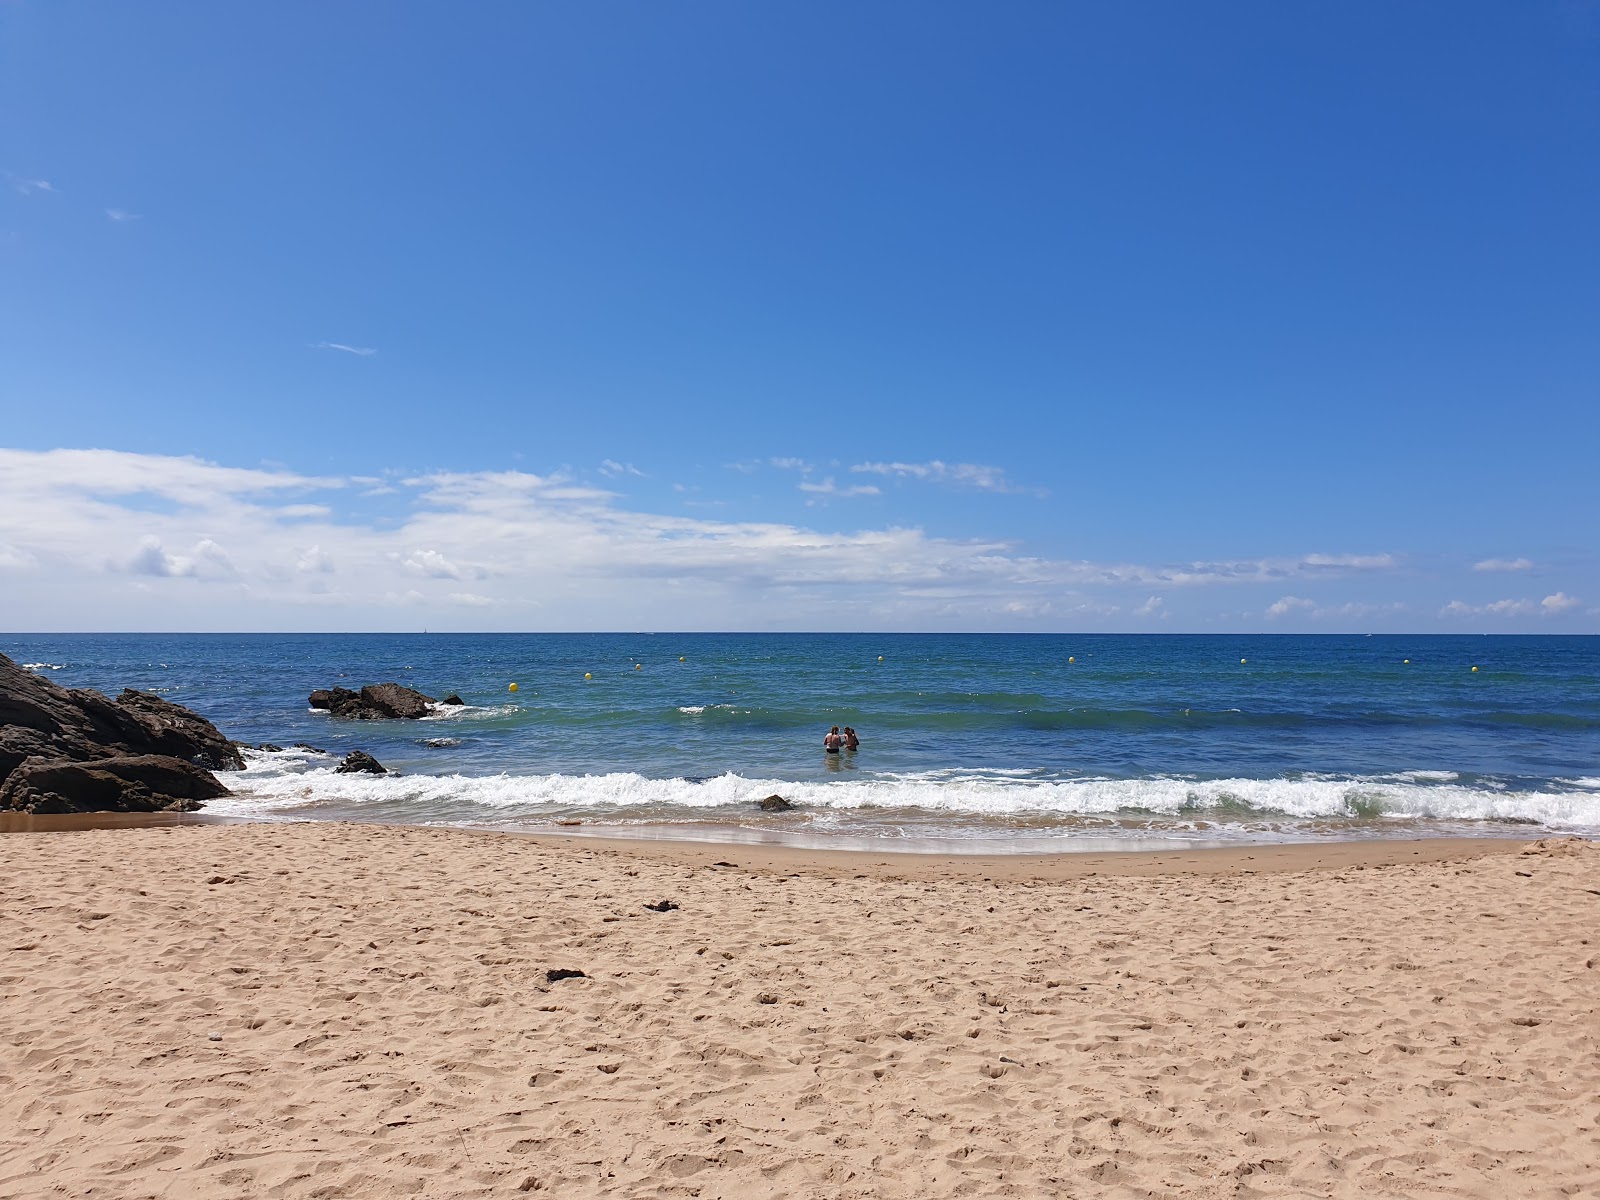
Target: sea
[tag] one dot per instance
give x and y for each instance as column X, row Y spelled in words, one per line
column 979, row 742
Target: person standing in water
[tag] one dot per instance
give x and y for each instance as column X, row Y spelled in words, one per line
column 851, row 741
column 833, row 742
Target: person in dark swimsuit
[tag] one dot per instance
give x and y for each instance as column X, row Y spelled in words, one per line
column 851, row 741
column 833, row 742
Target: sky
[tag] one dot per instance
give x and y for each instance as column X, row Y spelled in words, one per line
column 887, row 316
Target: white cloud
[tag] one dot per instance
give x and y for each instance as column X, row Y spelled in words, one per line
column 829, row 488
column 1354, row 610
column 1290, row 604
column 359, row 351
column 791, row 464
column 1350, row 562
column 151, row 559
column 611, row 468
column 434, row 565
column 1150, row 608
column 205, row 559
column 119, row 215
column 471, row 600
column 28, row 187
column 1552, row 605
column 78, row 528
column 314, row 561
column 1503, row 564
column 973, row 475
column 1495, row 608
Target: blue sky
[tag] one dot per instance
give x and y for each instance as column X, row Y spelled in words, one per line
column 862, row 316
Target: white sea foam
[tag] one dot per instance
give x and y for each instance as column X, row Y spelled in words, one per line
column 692, row 710
column 44, row 666
column 1587, row 781
column 470, row 712
column 274, row 784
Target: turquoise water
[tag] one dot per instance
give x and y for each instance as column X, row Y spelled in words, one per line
column 1007, row 738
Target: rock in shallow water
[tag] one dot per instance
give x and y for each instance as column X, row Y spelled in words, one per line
column 375, row 702
column 137, row 753
column 360, row 761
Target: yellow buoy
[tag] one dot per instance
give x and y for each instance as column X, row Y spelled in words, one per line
column 880, row 658
column 638, row 666
column 1474, row 670
column 1408, row 662
column 512, row 688
column 1244, row 660
column 587, row 675
column 1071, row 659
column 680, row 658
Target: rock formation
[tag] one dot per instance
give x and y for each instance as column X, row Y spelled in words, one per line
column 359, row 762
column 74, row 750
column 375, row 702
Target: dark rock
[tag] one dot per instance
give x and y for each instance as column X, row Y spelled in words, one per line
column 135, row 783
column 662, row 906
column 360, row 760
column 774, row 803
column 561, row 973
column 44, row 725
column 308, row 747
column 375, row 702
column 441, row 743
column 452, row 698
column 181, row 733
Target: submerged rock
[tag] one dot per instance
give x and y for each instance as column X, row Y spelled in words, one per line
column 375, row 702
column 359, row 761
column 452, row 698
column 774, row 803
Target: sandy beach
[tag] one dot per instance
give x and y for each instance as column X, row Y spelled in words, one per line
column 320, row 1010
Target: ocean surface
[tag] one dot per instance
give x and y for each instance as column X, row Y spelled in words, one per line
column 999, row 742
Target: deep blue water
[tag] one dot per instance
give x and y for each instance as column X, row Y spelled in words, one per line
column 962, row 735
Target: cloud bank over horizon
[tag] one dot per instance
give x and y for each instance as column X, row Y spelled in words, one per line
column 115, row 540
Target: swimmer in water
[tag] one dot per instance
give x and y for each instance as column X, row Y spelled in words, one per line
column 833, row 742
column 851, row 741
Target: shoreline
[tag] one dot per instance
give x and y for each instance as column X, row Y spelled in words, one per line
column 814, row 854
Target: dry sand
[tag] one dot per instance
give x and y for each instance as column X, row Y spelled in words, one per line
column 339, row 1010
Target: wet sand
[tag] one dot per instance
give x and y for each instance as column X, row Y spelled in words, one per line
column 314, row 1010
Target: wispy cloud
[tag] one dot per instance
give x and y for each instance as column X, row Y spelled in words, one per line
column 1503, row 564
column 29, row 187
column 973, row 475
column 791, row 464
column 829, row 488
column 360, row 351
column 120, row 215
column 1289, row 606
column 611, row 468
column 1551, row 606
column 206, row 543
